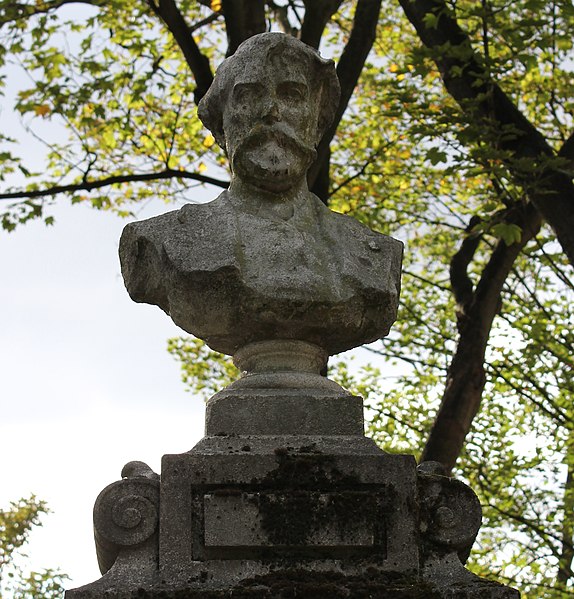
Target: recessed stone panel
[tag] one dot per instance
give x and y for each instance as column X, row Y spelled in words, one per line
column 297, row 521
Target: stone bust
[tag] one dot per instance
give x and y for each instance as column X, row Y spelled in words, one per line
column 267, row 260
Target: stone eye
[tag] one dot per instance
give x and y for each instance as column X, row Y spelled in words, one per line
column 245, row 94
column 291, row 91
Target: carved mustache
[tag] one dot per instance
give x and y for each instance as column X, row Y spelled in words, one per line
column 281, row 133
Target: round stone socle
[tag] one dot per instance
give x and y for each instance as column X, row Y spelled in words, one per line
column 281, row 355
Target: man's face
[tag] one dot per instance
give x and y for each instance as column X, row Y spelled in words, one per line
column 270, row 124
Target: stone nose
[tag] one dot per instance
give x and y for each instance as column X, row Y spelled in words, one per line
column 271, row 112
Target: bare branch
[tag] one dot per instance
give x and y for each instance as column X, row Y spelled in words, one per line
column 114, row 180
column 554, row 412
column 15, row 11
column 409, row 360
column 209, row 19
column 425, row 280
column 361, row 170
column 546, row 536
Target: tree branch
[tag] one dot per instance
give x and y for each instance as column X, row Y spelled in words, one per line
column 201, row 23
column 359, row 172
column 567, row 150
column 425, row 280
column 467, row 80
column 169, row 13
column 281, row 14
column 15, row 12
column 114, row 180
column 409, row 360
column 317, row 15
column 466, row 376
column 460, row 282
column 542, row 533
column 243, row 18
column 554, row 412
column 349, row 70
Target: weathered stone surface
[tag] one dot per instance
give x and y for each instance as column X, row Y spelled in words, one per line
column 267, row 259
column 290, row 499
column 333, row 518
column 126, row 516
column 287, row 584
column 283, row 413
column 232, row 277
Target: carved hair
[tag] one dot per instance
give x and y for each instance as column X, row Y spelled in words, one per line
column 279, row 49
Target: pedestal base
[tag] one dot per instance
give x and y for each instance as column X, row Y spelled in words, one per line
column 287, row 516
column 284, row 501
column 290, row 584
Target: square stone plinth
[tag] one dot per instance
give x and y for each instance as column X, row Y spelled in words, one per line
column 250, row 506
column 283, row 517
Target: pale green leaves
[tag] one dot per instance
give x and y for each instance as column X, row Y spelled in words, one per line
column 16, row 524
column 204, row 371
column 510, row 233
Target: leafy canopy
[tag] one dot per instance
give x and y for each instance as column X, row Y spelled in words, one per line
column 457, row 139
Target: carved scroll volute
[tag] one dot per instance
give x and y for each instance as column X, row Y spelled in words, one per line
column 450, row 514
column 126, row 513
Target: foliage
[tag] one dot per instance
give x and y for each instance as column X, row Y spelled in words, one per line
column 518, row 454
column 16, row 524
column 123, row 94
column 458, row 140
column 203, row 370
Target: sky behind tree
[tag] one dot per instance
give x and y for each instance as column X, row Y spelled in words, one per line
column 86, row 382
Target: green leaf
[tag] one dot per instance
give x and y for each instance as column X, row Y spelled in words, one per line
column 510, row 233
column 436, row 156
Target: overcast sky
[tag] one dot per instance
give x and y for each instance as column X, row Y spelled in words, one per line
column 86, row 382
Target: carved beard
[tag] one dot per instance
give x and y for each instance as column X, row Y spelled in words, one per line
column 272, row 158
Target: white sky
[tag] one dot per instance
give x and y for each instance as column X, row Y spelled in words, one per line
column 86, row 383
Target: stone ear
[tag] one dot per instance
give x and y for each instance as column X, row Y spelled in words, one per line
column 210, row 113
column 328, row 98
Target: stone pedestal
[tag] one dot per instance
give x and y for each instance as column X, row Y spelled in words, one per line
column 250, row 506
column 316, row 511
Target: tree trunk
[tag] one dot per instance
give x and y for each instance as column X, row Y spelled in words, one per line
column 466, row 379
column 243, row 18
column 461, row 398
column 565, row 572
column 483, row 101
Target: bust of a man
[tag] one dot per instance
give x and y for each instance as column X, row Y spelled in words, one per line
column 268, row 108
column 267, row 260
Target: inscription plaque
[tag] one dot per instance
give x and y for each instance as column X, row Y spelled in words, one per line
column 302, row 522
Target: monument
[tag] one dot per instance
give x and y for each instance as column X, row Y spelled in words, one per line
column 284, row 496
